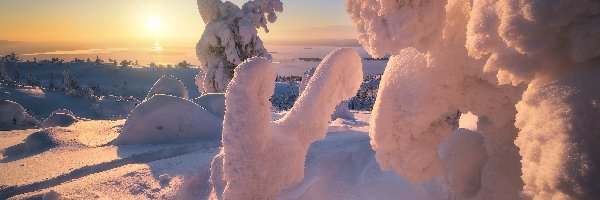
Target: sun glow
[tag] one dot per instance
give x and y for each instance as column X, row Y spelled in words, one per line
column 153, row 23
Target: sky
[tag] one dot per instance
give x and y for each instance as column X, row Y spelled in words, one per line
column 114, row 23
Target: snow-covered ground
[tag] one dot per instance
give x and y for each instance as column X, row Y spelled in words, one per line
column 79, row 162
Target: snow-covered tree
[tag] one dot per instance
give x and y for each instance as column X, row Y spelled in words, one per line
column 3, row 75
column 261, row 158
column 69, row 85
column 32, row 80
column 230, row 37
column 548, row 46
column 51, row 84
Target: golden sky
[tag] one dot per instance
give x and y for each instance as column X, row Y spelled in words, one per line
column 140, row 22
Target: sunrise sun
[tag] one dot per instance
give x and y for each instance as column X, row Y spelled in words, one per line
column 153, row 23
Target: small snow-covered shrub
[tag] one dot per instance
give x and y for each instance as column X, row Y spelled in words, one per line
column 168, row 85
column 14, row 116
column 213, row 102
column 168, row 119
column 60, row 117
column 261, row 158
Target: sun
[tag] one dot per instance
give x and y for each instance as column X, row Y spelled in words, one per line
column 153, row 23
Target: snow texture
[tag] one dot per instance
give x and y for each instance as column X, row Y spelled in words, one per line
column 168, row 85
column 428, row 78
column 559, row 137
column 168, row 119
column 262, row 158
column 480, row 56
column 341, row 110
column 213, row 102
column 14, row 116
column 60, row 117
column 230, row 37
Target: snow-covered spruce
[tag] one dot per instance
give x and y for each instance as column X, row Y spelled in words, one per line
column 60, row 117
column 277, row 149
column 213, row 102
column 168, row 85
column 168, row 119
column 14, row 116
column 230, row 37
column 548, row 46
column 552, row 47
column 429, row 76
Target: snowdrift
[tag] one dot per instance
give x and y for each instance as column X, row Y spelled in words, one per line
column 60, row 117
column 168, row 119
column 168, row 85
column 14, row 116
column 213, row 102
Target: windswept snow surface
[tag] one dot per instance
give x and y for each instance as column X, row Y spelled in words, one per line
column 248, row 131
column 168, row 119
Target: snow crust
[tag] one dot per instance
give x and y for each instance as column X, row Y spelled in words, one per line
column 262, row 158
column 168, row 85
column 168, row 119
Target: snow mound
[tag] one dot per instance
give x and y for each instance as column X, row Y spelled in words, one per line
column 168, row 85
column 115, row 107
column 60, row 117
column 248, row 131
column 213, row 102
column 15, row 116
column 168, row 119
column 33, row 144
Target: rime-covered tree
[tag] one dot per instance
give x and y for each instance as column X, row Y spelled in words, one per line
column 32, row 80
column 529, row 69
column 51, row 85
column 3, row 74
column 230, row 37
